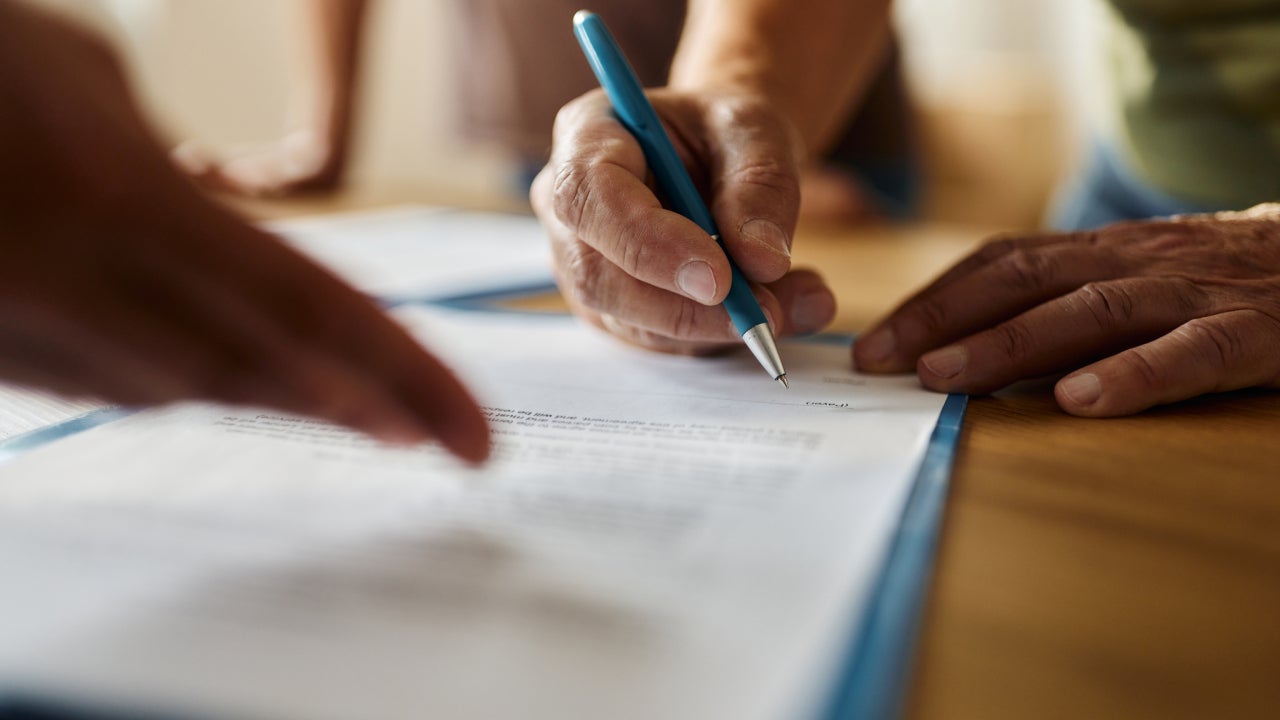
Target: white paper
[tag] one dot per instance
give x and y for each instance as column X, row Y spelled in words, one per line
column 656, row 537
column 24, row 409
column 417, row 252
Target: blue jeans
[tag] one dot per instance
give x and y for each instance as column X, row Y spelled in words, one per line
column 1107, row 191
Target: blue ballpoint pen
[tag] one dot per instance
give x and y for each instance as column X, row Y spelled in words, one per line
column 636, row 114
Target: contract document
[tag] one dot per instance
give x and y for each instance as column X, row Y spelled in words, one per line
column 655, row 537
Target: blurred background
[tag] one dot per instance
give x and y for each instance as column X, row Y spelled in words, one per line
column 1001, row 90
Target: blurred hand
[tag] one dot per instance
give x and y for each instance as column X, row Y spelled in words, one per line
column 1140, row 314
column 303, row 161
column 649, row 275
column 119, row 280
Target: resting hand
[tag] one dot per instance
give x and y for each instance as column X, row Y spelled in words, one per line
column 118, row 280
column 1141, row 314
column 649, row 275
column 303, row 161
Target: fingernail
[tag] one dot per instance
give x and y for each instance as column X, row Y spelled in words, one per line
column 879, row 346
column 812, row 311
column 696, row 280
column 611, row 323
column 947, row 362
column 767, row 233
column 1082, row 389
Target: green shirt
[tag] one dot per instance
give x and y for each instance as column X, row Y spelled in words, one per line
column 1196, row 96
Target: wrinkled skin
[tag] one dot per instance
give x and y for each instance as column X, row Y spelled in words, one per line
column 1138, row 314
column 651, row 276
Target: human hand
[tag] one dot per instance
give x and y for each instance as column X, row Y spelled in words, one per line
column 649, row 275
column 119, row 280
column 1141, row 314
column 300, row 162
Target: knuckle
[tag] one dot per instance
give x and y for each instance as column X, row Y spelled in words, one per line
column 770, row 173
column 573, row 115
column 1160, row 239
column 1188, row 296
column 932, row 315
column 571, row 191
column 683, row 322
column 1013, row 340
column 1212, row 345
column 582, row 273
column 566, row 117
column 748, row 122
column 1139, row 364
column 1026, row 269
column 634, row 257
column 1110, row 304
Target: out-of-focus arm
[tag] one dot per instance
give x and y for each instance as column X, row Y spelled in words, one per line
column 334, row 52
column 313, row 154
column 813, row 59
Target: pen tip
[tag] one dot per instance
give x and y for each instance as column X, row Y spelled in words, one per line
column 783, row 379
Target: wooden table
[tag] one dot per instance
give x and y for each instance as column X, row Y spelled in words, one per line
column 1122, row 568
column 1088, row 569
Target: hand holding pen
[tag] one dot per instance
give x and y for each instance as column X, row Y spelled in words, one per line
column 647, row 273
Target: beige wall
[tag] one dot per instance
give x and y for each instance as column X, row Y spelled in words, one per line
column 1004, row 86
column 1007, row 91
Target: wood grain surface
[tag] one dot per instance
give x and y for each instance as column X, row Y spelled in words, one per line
column 1121, row 568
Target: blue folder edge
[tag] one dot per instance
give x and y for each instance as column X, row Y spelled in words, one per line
column 11, row 447
column 876, row 669
column 873, row 675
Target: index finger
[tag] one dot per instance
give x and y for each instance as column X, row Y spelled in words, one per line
column 340, row 323
column 293, row 322
column 599, row 193
column 755, row 185
column 994, row 284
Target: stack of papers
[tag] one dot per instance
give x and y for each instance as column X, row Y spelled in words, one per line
column 655, row 537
